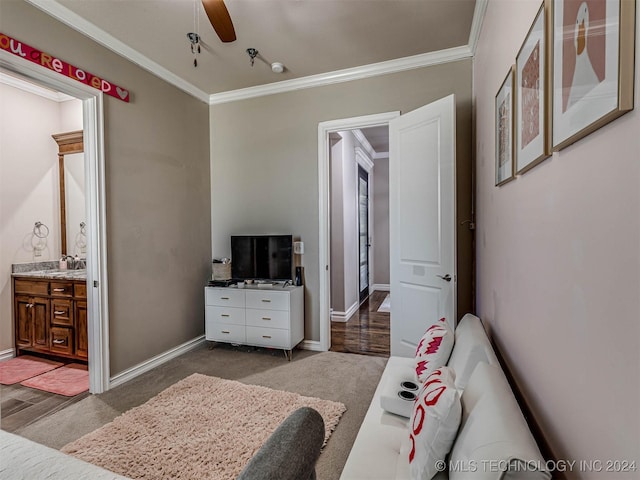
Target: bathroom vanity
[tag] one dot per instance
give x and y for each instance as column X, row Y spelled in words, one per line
column 50, row 313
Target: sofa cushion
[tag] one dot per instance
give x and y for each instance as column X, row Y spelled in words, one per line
column 435, row 420
column 433, row 349
column 494, row 441
column 471, row 346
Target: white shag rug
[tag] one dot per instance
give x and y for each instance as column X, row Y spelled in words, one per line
column 385, row 306
column 199, row 428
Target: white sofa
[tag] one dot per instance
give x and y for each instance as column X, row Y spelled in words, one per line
column 493, row 441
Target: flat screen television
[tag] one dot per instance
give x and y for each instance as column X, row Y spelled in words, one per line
column 261, row 257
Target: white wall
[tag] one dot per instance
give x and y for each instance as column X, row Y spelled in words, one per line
column 558, row 267
column 29, row 184
column 344, row 226
column 381, row 221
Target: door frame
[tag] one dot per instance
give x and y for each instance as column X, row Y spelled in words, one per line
column 324, row 237
column 95, row 206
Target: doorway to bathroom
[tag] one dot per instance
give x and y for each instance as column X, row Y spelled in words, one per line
column 92, row 239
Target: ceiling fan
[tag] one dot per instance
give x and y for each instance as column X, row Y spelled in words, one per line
column 220, row 19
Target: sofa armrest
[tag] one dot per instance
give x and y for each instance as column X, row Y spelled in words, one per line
column 291, row 452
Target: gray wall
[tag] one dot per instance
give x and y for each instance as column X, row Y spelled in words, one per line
column 381, row 221
column 158, row 194
column 265, row 161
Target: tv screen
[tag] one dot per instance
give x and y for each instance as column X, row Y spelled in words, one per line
column 262, row 257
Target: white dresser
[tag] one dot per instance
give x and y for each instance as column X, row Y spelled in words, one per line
column 259, row 317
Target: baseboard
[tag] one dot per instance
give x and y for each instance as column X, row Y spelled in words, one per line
column 344, row 316
column 382, row 287
column 311, row 345
column 7, row 354
column 154, row 362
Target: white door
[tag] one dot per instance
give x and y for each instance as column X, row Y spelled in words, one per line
column 422, row 222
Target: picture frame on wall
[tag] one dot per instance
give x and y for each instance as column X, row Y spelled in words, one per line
column 532, row 125
column 593, row 66
column 504, row 125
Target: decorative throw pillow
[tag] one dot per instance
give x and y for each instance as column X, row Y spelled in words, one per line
column 436, row 417
column 433, row 349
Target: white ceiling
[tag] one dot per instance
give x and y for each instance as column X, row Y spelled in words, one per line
column 309, row 37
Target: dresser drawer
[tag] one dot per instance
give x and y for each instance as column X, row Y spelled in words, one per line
column 267, row 300
column 232, row 315
column 268, row 337
column 268, row 318
column 62, row 312
column 61, row 289
column 61, row 340
column 31, row 287
column 227, row 297
column 221, row 332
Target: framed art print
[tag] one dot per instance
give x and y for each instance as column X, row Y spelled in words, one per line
column 532, row 144
column 504, row 129
column 593, row 65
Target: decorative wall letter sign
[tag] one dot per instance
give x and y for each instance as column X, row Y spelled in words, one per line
column 46, row 60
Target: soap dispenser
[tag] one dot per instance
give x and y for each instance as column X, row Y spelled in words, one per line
column 62, row 265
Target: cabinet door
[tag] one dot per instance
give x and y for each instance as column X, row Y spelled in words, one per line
column 40, row 322
column 24, row 325
column 82, row 338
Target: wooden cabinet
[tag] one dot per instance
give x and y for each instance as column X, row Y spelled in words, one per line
column 51, row 317
column 272, row 318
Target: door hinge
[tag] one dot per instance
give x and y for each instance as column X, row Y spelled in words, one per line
column 95, row 284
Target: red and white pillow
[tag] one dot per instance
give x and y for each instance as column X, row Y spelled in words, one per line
column 434, row 349
column 437, row 413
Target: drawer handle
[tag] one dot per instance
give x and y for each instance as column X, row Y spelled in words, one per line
column 266, row 318
column 58, row 289
column 266, row 301
column 224, row 315
column 225, row 331
column 266, row 336
column 59, row 312
column 224, row 298
column 58, row 341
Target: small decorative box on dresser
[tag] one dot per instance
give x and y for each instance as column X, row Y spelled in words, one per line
column 259, row 317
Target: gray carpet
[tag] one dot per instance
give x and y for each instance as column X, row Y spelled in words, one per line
column 347, row 378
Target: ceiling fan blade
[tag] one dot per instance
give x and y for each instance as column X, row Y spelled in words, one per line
column 220, row 19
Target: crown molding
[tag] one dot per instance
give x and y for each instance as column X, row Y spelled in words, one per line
column 346, row 75
column 371, row 153
column 34, row 89
column 381, row 155
column 75, row 21
column 476, row 24
column 364, row 159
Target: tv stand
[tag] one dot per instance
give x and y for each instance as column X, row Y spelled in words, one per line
column 271, row 317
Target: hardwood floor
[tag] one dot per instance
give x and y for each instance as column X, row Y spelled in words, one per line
column 366, row 332
column 21, row 406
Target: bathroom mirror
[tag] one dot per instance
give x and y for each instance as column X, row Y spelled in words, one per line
column 72, row 194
